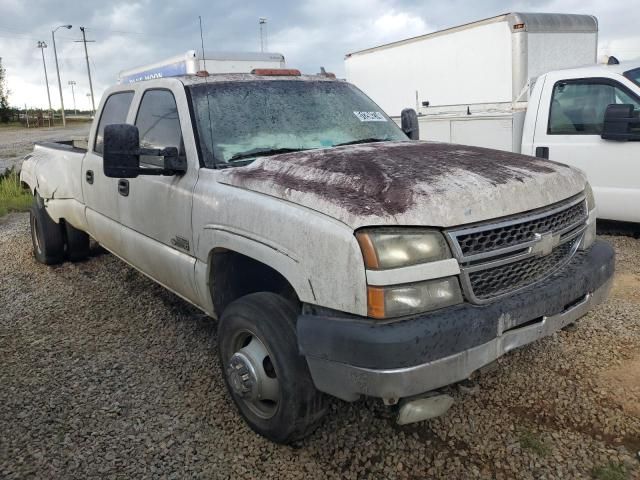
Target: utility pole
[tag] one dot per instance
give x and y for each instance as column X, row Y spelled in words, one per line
column 263, row 33
column 42, row 46
column 86, row 54
column 75, row 110
column 55, row 53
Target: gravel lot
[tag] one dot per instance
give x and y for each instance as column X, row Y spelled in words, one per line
column 104, row 374
column 16, row 142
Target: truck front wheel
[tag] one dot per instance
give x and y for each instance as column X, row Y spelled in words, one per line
column 267, row 378
column 46, row 235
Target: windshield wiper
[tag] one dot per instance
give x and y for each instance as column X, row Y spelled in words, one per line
column 263, row 152
column 362, row 140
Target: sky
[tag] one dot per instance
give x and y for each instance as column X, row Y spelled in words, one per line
column 310, row 33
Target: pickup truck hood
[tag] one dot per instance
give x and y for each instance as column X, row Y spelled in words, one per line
column 409, row 183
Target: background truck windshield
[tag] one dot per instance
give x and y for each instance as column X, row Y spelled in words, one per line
column 236, row 120
column 633, row 75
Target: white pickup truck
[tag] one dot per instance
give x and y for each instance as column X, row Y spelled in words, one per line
column 339, row 256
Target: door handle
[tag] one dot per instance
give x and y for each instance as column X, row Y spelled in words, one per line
column 89, row 177
column 542, row 152
column 123, row 187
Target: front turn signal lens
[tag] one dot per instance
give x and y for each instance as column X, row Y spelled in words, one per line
column 412, row 298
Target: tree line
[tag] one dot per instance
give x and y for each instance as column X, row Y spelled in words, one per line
column 5, row 110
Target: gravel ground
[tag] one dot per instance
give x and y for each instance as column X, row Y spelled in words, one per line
column 16, row 142
column 104, row 374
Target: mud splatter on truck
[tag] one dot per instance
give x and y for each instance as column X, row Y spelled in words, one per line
column 385, row 178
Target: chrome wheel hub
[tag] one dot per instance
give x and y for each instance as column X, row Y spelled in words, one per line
column 242, row 376
column 252, row 377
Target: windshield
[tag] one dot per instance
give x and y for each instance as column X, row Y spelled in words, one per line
column 238, row 121
column 633, row 75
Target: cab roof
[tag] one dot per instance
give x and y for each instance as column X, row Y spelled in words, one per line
column 599, row 68
column 246, row 77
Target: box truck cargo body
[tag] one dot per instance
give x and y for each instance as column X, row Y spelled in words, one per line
column 490, row 61
column 478, row 71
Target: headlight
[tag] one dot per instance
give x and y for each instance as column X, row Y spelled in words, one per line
column 588, row 193
column 400, row 300
column 384, row 248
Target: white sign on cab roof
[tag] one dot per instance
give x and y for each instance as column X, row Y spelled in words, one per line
column 189, row 64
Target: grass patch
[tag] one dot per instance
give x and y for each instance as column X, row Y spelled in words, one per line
column 13, row 196
column 529, row 441
column 10, row 124
column 611, row 471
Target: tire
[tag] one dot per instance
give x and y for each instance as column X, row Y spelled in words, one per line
column 270, row 319
column 77, row 243
column 47, row 236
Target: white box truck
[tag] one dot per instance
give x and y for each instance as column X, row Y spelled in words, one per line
column 521, row 82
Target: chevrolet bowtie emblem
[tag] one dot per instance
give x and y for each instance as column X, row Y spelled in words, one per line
column 545, row 243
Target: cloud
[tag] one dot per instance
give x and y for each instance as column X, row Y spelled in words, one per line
column 310, row 33
column 358, row 25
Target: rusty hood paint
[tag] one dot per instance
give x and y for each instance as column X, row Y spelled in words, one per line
column 409, row 183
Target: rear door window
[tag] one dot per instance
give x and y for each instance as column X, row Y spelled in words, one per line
column 114, row 111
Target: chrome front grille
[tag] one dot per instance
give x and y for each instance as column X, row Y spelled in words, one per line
column 483, row 241
column 496, row 281
column 500, row 257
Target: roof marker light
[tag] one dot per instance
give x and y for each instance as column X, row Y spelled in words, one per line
column 276, row 72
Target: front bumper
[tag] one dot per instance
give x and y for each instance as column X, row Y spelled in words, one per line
column 350, row 356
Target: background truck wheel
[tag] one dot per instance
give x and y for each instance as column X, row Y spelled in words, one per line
column 266, row 376
column 77, row 243
column 47, row 236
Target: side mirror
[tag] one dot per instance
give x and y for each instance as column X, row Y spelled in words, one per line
column 121, row 152
column 409, row 123
column 121, row 157
column 621, row 123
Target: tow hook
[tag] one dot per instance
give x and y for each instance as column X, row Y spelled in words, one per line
column 419, row 409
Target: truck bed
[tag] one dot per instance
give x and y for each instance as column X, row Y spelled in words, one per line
column 54, row 169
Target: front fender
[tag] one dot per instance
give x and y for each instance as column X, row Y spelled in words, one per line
column 318, row 255
column 262, row 250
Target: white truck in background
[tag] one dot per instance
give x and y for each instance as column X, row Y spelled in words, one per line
column 520, row 82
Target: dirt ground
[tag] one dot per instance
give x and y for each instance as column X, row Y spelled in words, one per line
column 104, row 374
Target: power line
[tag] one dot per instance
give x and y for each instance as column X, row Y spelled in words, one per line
column 20, row 34
column 118, row 32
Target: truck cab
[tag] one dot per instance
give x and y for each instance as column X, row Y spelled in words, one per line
column 567, row 119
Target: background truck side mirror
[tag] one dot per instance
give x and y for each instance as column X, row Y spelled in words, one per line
column 121, row 157
column 409, row 123
column 621, row 123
